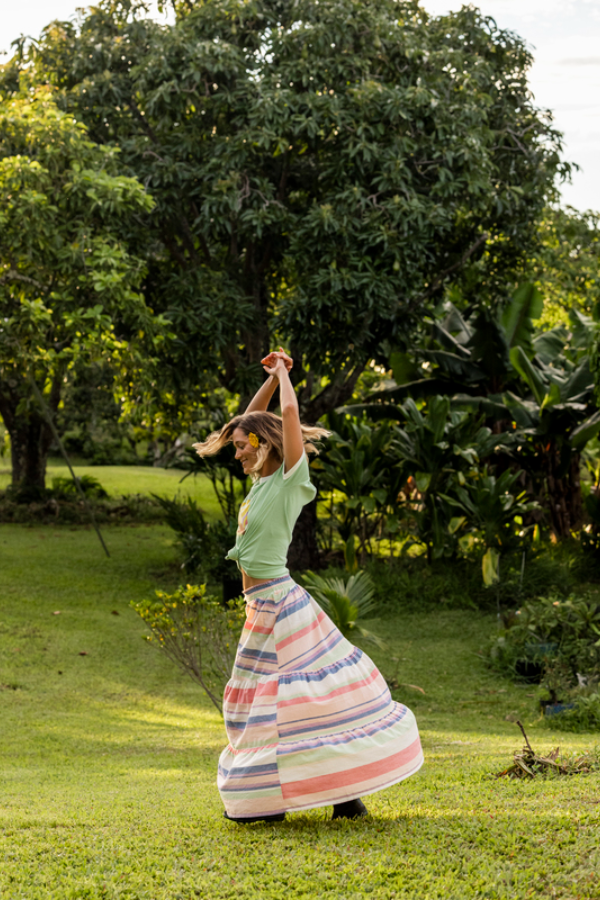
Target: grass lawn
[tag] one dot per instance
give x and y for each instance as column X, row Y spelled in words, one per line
column 134, row 480
column 109, row 759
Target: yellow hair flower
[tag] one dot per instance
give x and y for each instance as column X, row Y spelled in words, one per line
column 253, row 438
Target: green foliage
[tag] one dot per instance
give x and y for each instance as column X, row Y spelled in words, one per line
column 412, row 584
column 196, row 633
column 67, row 508
column 204, row 543
column 65, row 489
column 583, row 716
column 443, row 451
column 358, row 469
column 566, row 631
column 345, row 602
column 89, row 419
column 69, row 286
column 492, row 512
column 537, row 389
column 308, row 160
column 567, row 262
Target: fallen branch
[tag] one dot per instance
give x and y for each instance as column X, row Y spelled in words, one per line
column 528, row 764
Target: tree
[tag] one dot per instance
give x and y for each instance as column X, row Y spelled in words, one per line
column 567, row 264
column 321, row 170
column 68, row 284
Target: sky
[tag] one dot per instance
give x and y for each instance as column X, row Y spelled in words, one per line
column 564, row 36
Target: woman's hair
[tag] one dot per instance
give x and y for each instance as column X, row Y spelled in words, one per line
column 269, row 430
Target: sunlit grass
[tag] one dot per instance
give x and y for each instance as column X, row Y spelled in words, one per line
column 108, row 768
column 119, row 480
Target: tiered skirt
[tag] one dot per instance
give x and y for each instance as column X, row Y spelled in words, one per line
column 309, row 718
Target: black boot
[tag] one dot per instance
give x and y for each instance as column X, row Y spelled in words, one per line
column 351, row 809
column 246, row 820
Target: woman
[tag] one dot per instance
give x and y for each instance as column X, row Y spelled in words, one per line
column 309, row 718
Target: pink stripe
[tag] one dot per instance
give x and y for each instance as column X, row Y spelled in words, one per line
column 247, row 695
column 256, row 629
column 301, row 633
column 351, row 776
column 336, row 693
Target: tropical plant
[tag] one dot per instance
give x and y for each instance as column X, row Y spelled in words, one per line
column 345, row 602
column 196, row 633
column 357, row 470
column 492, row 510
column 537, row 386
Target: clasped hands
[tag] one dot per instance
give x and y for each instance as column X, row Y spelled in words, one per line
column 276, row 361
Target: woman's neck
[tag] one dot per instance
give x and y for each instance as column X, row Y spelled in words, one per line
column 270, row 466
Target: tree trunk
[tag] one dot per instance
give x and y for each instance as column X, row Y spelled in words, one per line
column 30, row 440
column 30, row 434
column 304, row 551
column 563, row 492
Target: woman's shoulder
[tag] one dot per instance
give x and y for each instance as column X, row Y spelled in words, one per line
column 298, row 473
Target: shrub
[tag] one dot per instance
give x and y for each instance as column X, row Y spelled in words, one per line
column 65, row 488
column 194, row 631
column 584, row 716
column 204, row 544
column 564, row 630
column 50, row 510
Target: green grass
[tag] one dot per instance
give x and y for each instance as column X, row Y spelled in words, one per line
column 134, row 480
column 109, row 759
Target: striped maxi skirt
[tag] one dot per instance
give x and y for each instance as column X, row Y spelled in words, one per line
column 310, row 719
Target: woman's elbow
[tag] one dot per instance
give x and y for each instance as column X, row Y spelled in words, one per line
column 289, row 410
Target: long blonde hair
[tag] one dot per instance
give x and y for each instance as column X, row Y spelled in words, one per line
column 269, row 430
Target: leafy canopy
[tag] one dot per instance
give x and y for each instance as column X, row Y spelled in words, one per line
column 320, row 169
column 68, row 283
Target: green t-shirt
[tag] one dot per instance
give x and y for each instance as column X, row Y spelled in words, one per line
column 267, row 518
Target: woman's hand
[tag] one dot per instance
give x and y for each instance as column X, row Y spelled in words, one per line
column 277, row 361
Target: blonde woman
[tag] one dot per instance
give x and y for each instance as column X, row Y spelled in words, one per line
column 309, row 718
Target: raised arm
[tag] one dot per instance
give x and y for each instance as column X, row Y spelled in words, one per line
column 260, row 401
column 293, row 445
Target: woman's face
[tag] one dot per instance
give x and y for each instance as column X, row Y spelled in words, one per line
column 244, row 451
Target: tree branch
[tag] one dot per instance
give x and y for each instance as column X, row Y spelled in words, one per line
column 334, row 394
column 13, row 275
column 458, row 265
column 142, row 120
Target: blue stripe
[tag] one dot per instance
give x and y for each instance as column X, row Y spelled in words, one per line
column 294, row 607
column 334, row 724
column 345, row 737
column 251, row 720
column 243, row 788
column 347, row 709
column 325, row 671
column 319, row 650
column 255, row 671
column 258, row 654
column 263, row 769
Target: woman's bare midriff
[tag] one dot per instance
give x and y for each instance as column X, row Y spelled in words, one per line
column 250, row 582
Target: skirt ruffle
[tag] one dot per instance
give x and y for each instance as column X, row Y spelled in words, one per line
column 310, row 719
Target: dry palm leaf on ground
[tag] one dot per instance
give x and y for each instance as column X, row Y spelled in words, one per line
column 528, row 764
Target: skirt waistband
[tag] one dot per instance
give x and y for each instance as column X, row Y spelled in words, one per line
column 275, row 582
